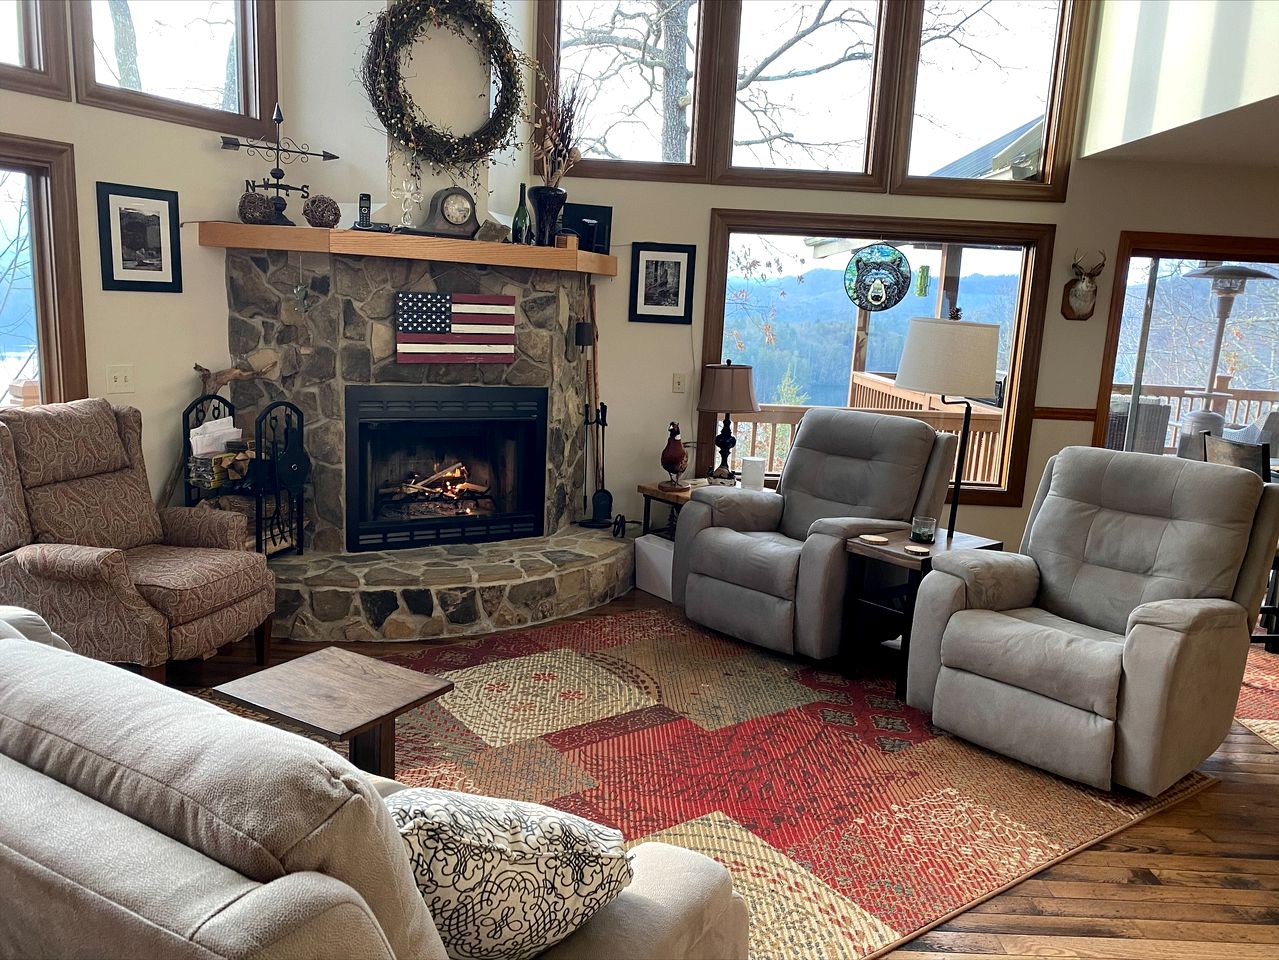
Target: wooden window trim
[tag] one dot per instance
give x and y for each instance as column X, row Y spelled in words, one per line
column 257, row 78
column 1061, row 122
column 1032, row 308
column 879, row 131
column 698, row 170
column 56, row 247
column 1144, row 244
column 45, row 34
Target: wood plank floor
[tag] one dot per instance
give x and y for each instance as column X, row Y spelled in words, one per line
column 1199, row 881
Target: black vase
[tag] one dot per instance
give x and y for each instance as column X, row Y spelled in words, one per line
column 547, row 204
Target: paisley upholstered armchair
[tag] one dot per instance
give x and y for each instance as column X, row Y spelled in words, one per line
column 83, row 545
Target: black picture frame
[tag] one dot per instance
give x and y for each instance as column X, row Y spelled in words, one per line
column 662, row 282
column 139, row 243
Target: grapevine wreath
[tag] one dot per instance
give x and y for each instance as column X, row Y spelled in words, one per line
column 395, row 30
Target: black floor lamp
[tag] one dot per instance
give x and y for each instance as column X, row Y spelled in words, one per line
column 955, row 359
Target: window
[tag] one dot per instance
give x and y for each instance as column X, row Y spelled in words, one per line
column 33, row 48
column 41, row 313
column 776, row 300
column 984, row 107
column 1198, row 353
column 807, row 93
column 208, row 64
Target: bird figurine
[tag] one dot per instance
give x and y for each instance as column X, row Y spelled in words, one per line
column 674, row 461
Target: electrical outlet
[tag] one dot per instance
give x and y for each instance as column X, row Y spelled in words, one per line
column 679, row 383
column 120, row 378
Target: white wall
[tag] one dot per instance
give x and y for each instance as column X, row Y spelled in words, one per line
column 1160, row 64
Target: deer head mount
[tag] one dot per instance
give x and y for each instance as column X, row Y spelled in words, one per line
column 1079, row 296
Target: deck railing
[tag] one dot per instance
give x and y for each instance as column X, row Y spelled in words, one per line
column 770, row 432
column 1243, row 406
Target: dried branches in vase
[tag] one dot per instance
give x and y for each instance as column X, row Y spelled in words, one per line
column 555, row 135
column 554, row 153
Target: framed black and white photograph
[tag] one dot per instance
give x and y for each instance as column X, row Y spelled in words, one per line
column 662, row 282
column 138, row 239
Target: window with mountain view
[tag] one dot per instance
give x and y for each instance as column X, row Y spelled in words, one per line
column 786, row 313
column 1191, row 344
column 209, row 63
column 19, row 343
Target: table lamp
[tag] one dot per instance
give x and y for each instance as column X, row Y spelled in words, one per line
column 727, row 388
column 952, row 358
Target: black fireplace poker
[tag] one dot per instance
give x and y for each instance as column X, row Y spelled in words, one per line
column 601, row 501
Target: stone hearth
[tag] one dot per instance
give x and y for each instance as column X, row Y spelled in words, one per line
column 448, row 591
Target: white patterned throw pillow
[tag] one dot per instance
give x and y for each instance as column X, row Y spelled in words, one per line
column 505, row 879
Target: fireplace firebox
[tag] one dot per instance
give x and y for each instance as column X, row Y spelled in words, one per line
column 437, row 465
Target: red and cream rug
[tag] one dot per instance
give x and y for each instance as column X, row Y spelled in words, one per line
column 1258, row 708
column 850, row 823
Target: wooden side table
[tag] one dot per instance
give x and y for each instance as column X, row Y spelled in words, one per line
column 672, row 498
column 894, row 554
column 340, row 695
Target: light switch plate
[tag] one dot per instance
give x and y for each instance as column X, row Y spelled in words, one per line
column 679, row 383
column 120, row 378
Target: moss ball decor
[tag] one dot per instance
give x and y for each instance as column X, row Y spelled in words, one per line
column 391, row 40
column 321, row 211
column 256, row 208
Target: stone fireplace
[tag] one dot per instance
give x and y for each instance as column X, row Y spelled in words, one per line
column 392, row 552
column 327, row 322
column 429, row 465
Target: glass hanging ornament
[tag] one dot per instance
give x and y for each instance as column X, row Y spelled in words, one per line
column 877, row 277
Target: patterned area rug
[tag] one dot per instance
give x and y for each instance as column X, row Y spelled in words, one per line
column 1258, row 708
column 848, row 821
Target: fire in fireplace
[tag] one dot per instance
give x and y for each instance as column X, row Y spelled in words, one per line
column 429, row 465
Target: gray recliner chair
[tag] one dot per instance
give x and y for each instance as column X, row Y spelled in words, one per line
column 770, row 568
column 1111, row 649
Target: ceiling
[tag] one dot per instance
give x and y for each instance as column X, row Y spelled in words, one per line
column 1244, row 137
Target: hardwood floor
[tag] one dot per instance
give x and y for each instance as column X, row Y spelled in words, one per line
column 1199, row 881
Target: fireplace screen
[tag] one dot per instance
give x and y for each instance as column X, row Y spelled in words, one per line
column 445, row 464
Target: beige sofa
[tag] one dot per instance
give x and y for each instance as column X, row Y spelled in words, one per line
column 137, row 821
column 1111, row 649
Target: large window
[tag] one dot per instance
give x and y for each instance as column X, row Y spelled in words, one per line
column 966, row 96
column 206, row 63
column 1182, row 345
column 986, row 104
column 777, row 302
column 41, row 314
column 33, row 48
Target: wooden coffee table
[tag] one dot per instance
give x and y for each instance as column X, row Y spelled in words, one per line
column 340, row 695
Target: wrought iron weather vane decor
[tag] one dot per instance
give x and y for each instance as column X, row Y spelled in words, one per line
column 284, row 150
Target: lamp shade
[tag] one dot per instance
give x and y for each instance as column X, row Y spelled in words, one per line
column 727, row 388
column 953, row 357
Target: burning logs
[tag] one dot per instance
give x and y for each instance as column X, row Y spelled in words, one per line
column 447, row 491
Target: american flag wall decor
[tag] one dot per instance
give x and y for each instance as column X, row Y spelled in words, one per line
column 454, row 328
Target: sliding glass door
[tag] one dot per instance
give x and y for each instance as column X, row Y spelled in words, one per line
column 1196, row 349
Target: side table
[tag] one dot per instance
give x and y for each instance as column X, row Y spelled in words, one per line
column 672, row 498
column 894, row 554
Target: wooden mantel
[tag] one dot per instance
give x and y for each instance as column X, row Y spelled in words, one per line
column 362, row 243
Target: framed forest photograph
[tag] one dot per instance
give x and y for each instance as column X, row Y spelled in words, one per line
column 662, row 277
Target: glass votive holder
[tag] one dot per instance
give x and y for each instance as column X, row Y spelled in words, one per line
column 923, row 529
